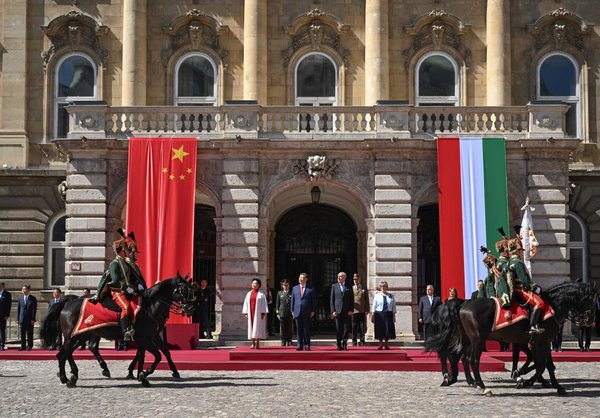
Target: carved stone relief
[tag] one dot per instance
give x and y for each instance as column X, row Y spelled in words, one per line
column 316, row 167
column 195, row 30
column 77, row 32
column 315, row 29
column 437, row 29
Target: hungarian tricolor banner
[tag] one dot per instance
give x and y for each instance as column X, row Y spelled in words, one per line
column 473, row 204
column 161, row 184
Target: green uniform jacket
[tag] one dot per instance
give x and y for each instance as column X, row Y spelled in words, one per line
column 497, row 288
column 114, row 276
column 519, row 272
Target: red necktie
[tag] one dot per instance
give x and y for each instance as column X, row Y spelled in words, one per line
column 301, row 291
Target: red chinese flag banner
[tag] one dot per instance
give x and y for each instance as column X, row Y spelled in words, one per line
column 161, row 185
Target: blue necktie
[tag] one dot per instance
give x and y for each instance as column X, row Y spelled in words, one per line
column 385, row 304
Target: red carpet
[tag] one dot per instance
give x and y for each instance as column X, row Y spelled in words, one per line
column 287, row 358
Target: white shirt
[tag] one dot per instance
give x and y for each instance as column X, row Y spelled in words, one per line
column 378, row 303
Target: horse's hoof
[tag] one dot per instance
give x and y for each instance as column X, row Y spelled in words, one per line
column 520, row 385
column 515, row 375
column 146, row 383
column 176, row 375
column 474, row 385
column 141, row 377
column 561, row 391
column 445, row 382
column 72, row 383
column 130, row 376
column 63, row 379
column 106, row 373
column 487, row 392
column 452, row 381
column 546, row 384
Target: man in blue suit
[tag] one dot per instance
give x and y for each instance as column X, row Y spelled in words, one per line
column 304, row 306
column 26, row 310
column 342, row 308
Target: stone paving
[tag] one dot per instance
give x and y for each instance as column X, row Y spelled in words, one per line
column 32, row 389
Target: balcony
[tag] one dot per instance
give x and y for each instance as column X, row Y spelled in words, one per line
column 539, row 120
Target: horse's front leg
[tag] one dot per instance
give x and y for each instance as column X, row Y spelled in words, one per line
column 151, row 347
column 70, row 347
column 551, row 368
column 138, row 360
column 163, row 347
column 94, row 347
column 477, row 349
column 444, row 367
column 62, row 360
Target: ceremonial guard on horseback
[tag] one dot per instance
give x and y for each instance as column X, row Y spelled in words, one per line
column 523, row 286
column 495, row 284
column 120, row 286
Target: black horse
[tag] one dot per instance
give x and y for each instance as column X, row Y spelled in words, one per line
column 173, row 294
column 574, row 300
column 446, row 342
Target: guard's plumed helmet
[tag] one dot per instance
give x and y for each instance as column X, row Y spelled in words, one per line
column 489, row 260
column 502, row 245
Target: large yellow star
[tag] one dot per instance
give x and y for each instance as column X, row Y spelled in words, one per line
column 179, row 153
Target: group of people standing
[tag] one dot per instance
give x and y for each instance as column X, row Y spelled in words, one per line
column 349, row 306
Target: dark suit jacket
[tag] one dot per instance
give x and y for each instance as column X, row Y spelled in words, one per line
column 5, row 303
column 426, row 309
column 341, row 302
column 303, row 305
column 475, row 294
column 26, row 312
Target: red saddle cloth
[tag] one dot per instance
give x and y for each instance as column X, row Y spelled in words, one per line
column 94, row 316
column 514, row 314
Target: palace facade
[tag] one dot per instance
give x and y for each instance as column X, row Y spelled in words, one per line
column 316, row 124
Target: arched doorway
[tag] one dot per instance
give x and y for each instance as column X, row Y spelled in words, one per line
column 428, row 250
column 319, row 240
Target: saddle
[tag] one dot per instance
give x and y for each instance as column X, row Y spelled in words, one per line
column 515, row 313
column 93, row 316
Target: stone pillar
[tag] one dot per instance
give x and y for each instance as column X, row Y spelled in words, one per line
column 255, row 59
column 135, row 45
column 498, row 53
column 391, row 256
column 86, row 222
column 13, row 78
column 240, row 242
column 376, row 51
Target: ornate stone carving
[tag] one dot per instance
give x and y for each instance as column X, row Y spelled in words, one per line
column 545, row 121
column 62, row 190
column 88, row 122
column 315, row 29
column 560, row 30
column 316, row 167
column 436, row 30
column 195, row 30
column 77, row 32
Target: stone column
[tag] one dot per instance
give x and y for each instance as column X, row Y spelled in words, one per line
column 376, row 51
column 86, row 222
column 135, row 45
column 240, row 242
column 255, row 57
column 391, row 258
column 13, row 77
column 498, row 53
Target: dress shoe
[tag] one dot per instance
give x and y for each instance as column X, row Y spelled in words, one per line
column 387, row 347
column 299, row 348
column 380, row 347
column 21, row 348
column 354, row 343
column 28, row 348
column 307, row 348
column 339, row 348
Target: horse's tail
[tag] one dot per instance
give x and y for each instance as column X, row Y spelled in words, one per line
column 50, row 326
column 443, row 333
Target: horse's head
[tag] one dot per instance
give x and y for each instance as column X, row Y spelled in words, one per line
column 579, row 299
column 184, row 294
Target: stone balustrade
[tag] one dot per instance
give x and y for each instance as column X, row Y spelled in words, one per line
column 326, row 122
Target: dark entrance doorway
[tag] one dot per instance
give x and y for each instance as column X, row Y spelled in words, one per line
column 428, row 251
column 205, row 253
column 319, row 240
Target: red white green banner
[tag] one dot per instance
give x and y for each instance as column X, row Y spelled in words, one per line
column 161, row 186
column 473, row 204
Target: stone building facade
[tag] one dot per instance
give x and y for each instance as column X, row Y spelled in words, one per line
column 316, row 124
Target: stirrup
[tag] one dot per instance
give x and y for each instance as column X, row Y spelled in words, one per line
column 128, row 334
column 536, row 330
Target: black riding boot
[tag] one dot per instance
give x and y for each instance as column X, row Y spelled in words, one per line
column 127, row 329
column 533, row 322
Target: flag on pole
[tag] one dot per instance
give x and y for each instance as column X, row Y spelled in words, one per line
column 473, row 203
column 528, row 239
column 161, row 185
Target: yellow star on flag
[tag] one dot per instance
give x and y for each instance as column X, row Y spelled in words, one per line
column 171, row 177
column 189, row 171
column 165, row 170
column 182, row 177
column 179, row 153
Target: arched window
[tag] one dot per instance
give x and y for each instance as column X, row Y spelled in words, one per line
column 76, row 79
column 195, row 81
column 578, row 248
column 316, row 81
column 558, row 79
column 437, row 82
column 55, row 262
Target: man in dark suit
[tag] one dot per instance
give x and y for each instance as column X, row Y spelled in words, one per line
column 202, row 312
column 342, row 307
column 475, row 294
column 427, row 305
column 26, row 310
column 56, row 297
column 5, row 304
column 304, row 306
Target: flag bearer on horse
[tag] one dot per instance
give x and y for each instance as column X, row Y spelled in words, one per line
column 118, row 282
column 523, row 285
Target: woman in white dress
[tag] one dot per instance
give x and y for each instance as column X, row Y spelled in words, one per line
column 255, row 309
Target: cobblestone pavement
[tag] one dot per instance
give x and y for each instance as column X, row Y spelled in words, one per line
column 32, row 389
